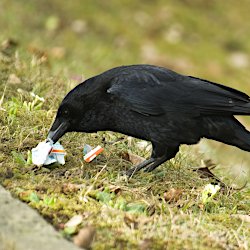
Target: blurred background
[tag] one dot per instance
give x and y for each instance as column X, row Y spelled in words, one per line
column 77, row 39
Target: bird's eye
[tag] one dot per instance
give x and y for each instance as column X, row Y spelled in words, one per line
column 65, row 112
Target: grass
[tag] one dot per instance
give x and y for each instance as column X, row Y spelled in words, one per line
column 47, row 54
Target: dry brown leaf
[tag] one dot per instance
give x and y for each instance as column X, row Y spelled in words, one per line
column 135, row 159
column 205, row 172
column 173, row 195
column 85, row 237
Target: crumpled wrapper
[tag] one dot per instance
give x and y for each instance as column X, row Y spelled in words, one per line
column 46, row 153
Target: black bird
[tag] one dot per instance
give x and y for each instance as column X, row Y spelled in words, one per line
column 155, row 104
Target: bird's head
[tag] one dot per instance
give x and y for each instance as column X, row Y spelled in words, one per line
column 70, row 114
column 77, row 112
column 64, row 122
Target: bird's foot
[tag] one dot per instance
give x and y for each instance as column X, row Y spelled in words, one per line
column 158, row 161
column 150, row 168
column 131, row 171
column 138, row 167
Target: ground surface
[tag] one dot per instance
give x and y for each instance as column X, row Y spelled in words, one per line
column 50, row 46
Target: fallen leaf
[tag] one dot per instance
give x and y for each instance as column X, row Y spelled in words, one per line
column 135, row 159
column 205, row 172
column 85, row 237
column 173, row 195
column 74, row 221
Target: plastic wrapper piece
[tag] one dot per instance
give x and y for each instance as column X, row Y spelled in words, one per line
column 86, row 149
column 46, row 153
column 91, row 155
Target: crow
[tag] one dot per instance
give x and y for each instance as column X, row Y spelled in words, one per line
column 154, row 104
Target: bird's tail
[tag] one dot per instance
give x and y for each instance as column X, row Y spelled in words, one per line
column 228, row 130
column 243, row 109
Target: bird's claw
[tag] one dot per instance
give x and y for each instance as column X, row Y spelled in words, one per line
column 131, row 171
column 148, row 169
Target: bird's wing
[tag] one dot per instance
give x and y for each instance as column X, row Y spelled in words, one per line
column 212, row 98
column 137, row 91
column 153, row 94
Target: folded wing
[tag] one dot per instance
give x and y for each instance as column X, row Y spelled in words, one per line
column 155, row 93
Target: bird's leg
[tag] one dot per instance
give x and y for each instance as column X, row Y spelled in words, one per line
column 155, row 164
column 159, row 155
column 138, row 167
column 171, row 152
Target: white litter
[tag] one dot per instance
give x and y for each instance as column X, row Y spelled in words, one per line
column 46, row 153
column 91, row 155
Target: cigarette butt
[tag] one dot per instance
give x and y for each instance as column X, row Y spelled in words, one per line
column 90, row 156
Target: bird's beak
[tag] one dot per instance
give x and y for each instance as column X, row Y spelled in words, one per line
column 57, row 131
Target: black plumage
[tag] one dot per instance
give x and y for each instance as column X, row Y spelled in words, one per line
column 155, row 104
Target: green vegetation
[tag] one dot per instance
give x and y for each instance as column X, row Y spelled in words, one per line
column 48, row 47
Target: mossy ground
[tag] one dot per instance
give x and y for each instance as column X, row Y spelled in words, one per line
column 50, row 57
